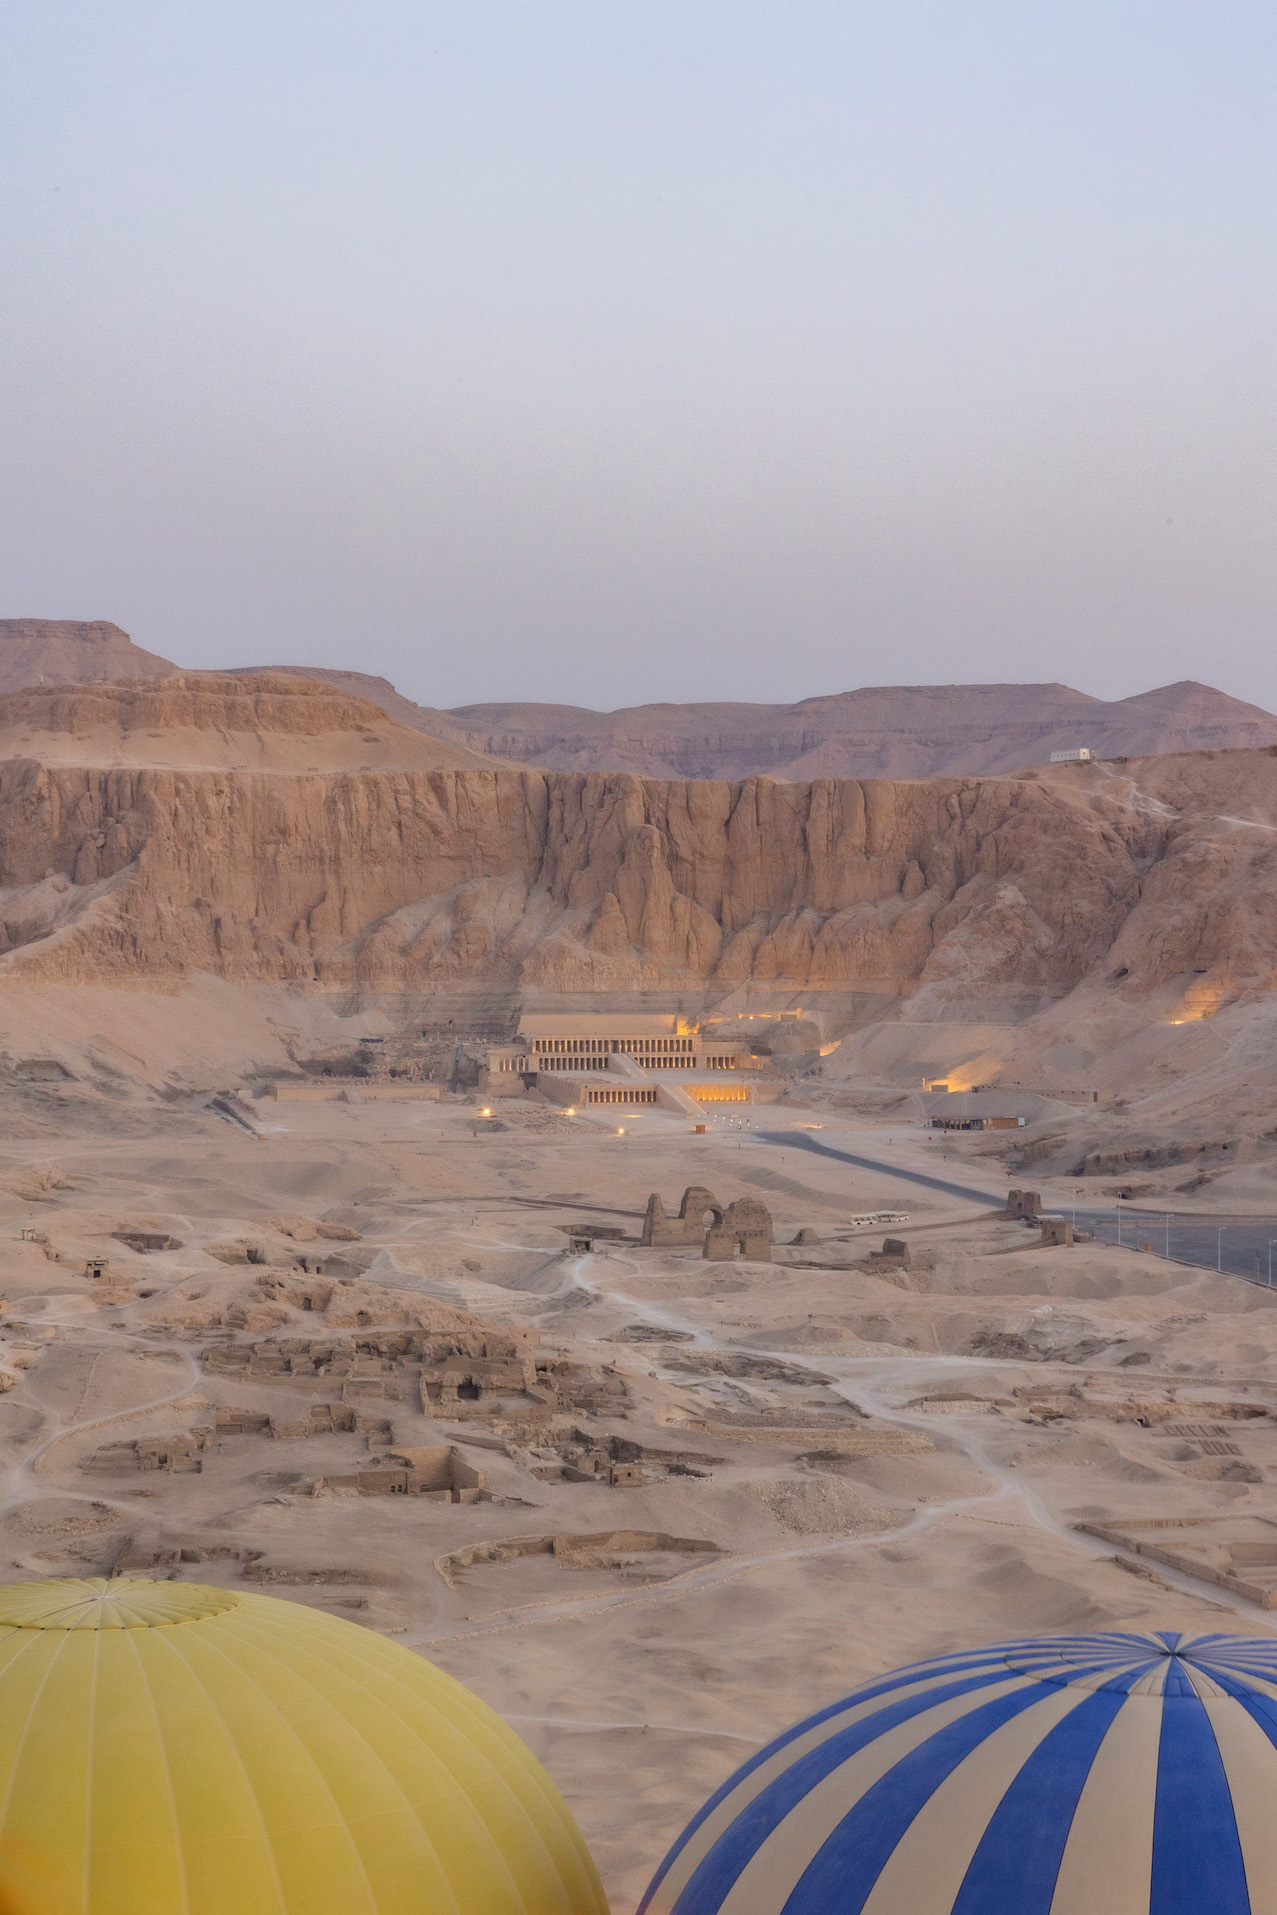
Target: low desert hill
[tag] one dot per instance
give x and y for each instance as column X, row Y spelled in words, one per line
column 885, row 731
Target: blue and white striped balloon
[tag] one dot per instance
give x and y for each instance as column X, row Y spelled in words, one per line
column 1065, row 1775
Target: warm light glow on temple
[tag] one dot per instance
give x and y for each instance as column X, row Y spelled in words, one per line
column 586, row 1058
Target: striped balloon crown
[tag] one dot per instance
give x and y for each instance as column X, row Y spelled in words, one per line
column 1065, row 1775
column 1165, row 1663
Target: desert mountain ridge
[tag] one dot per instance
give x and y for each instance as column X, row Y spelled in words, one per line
column 270, row 721
column 262, row 827
column 909, row 731
column 884, row 731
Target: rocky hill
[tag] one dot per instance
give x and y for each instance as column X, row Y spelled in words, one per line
column 269, row 720
column 335, row 848
column 71, row 651
column 885, row 731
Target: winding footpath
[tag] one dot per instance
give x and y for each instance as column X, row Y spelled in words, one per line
column 864, row 1381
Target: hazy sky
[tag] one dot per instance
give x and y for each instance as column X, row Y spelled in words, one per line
column 603, row 352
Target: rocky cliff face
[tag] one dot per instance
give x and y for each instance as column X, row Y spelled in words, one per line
column 407, row 880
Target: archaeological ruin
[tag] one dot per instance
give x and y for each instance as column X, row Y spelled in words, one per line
column 743, row 1229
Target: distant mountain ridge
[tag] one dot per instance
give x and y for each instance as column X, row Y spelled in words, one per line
column 883, row 731
column 903, row 731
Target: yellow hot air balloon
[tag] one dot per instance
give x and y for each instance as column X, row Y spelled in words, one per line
column 169, row 1749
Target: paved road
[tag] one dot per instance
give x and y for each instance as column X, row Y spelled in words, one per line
column 801, row 1140
column 1238, row 1246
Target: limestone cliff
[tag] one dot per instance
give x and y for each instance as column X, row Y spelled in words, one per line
column 406, row 876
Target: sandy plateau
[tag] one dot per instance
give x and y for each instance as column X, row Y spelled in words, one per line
column 652, row 1508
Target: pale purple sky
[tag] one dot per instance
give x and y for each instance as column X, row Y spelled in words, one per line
column 602, row 352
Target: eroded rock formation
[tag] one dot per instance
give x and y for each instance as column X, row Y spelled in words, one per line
column 406, row 879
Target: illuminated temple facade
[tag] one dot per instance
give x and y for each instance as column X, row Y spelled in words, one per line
column 586, row 1058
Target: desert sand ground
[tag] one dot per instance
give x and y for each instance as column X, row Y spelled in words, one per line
column 847, row 1463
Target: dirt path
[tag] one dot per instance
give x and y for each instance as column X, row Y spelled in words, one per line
column 20, row 1486
column 868, row 1378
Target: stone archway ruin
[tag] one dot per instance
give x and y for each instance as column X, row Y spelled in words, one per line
column 743, row 1229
